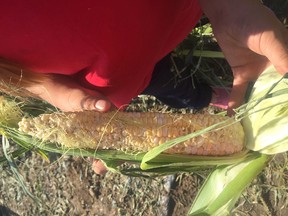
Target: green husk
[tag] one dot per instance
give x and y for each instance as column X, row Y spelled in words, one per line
column 266, row 124
column 225, row 184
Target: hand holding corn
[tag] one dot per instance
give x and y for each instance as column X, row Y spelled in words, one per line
column 67, row 95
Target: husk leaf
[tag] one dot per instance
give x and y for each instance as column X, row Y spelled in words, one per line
column 225, row 184
column 266, row 130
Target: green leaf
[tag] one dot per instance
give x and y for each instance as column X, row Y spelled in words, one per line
column 14, row 154
column 182, row 161
column 225, row 184
column 153, row 153
column 266, row 124
column 43, row 154
column 208, row 54
column 15, row 171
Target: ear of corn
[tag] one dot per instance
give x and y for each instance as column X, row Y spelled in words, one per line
column 135, row 132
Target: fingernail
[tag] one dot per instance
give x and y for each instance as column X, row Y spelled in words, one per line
column 101, row 105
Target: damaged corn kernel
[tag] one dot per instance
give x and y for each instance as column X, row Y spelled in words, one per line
column 135, row 132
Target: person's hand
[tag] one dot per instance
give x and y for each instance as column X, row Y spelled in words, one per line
column 251, row 38
column 65, row 94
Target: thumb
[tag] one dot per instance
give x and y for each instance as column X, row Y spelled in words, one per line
column 64, row 93
column 79, row 98
column 98, row 167
column 89, row 100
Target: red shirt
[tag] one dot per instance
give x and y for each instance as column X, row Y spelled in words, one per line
column 112, row 46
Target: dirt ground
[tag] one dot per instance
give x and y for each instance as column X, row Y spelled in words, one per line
column 69, row 187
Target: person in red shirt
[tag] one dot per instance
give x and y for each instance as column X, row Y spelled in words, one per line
column 107, row 46
column 92, row 54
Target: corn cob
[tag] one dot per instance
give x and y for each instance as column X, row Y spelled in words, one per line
column 135, row 132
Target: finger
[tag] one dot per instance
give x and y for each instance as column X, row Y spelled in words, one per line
column 237, row 95
column 95, row 103
column 64, row 93
column 275, row 48
column 99, row 167
column 83, row 99
column 102, row 105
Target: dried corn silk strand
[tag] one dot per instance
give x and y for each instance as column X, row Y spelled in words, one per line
column 10, row 112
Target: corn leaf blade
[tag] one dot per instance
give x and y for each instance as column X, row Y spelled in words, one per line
column 225, row 184
column 15, row 171
column 153, row 153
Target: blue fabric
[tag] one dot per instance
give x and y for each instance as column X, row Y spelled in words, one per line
column 183, row 91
